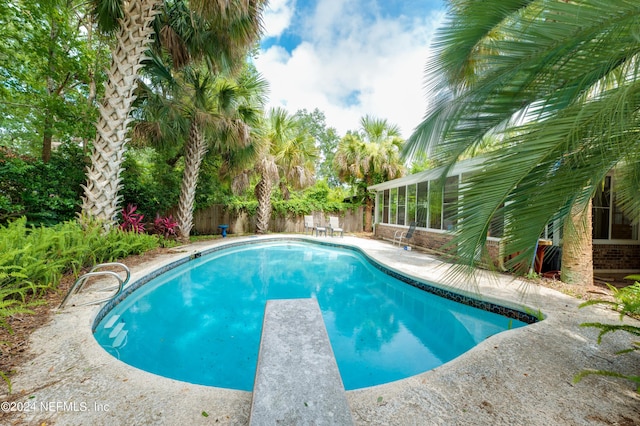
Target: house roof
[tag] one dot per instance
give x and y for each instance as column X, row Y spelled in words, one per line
column 464, row 166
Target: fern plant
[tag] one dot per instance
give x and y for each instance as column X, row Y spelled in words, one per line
column 627, row 302
column 34, row 259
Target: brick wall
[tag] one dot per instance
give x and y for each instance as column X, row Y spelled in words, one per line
column 605, row 256
column 433, row 241
column 616, row 256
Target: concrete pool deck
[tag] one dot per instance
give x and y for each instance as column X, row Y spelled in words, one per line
column 520, row 377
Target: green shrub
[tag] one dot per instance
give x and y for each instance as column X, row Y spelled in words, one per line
column 45, row 193
column 34, row 259
column 149, row 183
column 627, row 302
column 248, row 206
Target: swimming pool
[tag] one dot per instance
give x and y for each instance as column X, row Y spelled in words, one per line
column 200, row 321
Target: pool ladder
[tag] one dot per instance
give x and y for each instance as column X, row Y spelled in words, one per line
column 94, row 272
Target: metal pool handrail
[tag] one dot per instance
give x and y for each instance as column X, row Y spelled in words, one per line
column 80, row 282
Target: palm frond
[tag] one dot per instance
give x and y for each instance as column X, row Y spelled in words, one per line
column 107, row 13
column 555, row 84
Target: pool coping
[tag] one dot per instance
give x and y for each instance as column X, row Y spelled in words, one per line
column 523, row 376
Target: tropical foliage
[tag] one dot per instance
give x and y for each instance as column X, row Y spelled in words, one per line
column 165, row 226
column 33, row 259
column 318, row 197
column 220, row 32
column 556, row 84
column 368, row 156
column 188, row 113
column 627, row 302
column 286, row 158
column 151, row 180
column 45, row 193
column 132, row 221
column 49, row 96
column 224, row 112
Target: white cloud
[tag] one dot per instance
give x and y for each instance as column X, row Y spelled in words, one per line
column 349, row 67
column 277, row 16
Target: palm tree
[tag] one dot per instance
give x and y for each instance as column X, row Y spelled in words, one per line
column 196, row 113
column 223, row 111
column 286, row 157
column 557, row 84
column 234, row 24
column 369, row 156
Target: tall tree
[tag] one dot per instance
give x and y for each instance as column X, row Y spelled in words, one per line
column 287, row 158
column 557, row 83
column 326, row 140
column 222, row 115
column 368, row 156
column 194, row 113
column 49, row 59
column 234, row 24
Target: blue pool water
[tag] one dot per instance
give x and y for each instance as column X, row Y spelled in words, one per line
column 201, row 322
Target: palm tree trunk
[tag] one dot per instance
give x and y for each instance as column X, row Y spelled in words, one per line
column 368, row 214
column 369, row 205
column 91, row 74
column 194, row 153
column 577, row 247
column 101, row 198
column 263, row 194
column 286, row 195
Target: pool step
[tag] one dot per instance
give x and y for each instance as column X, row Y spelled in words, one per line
column 111, row 321
column 118, row 333
column 116, row 330
column 297, row 379
column 117, row 342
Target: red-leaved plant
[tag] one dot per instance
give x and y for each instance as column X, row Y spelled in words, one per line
column 132, row 221
column 165, row 226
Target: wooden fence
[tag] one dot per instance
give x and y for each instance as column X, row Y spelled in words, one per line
column 206, row 221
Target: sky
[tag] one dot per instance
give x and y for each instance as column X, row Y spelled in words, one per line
column 349, row 58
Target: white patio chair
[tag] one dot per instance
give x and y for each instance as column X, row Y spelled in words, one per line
column 308, row 224
column 321, row 229
column 334, row 225
column 404, row 235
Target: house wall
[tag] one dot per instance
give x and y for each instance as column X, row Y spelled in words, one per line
column 432, row 241
column 621, row 257
column 606, row 257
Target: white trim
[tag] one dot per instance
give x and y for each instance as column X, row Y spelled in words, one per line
column 432, row 174
column 395, row 225
column 418, row 228
column 616, row 242
column 436, row 231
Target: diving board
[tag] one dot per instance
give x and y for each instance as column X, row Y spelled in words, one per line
column 297, row 379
